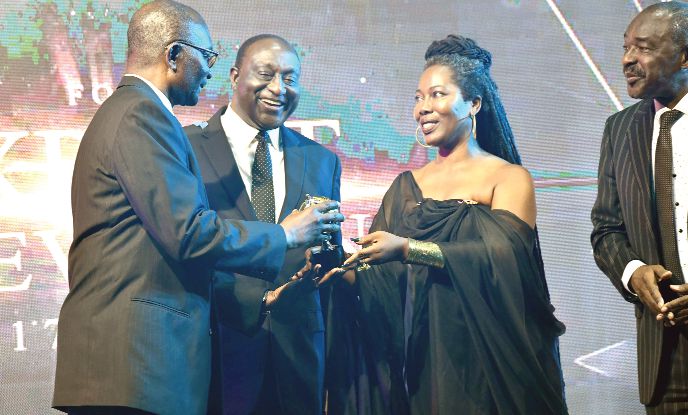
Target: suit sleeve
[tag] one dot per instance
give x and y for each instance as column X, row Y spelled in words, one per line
column 611, row 248
column 240, row 301
column 152, row 162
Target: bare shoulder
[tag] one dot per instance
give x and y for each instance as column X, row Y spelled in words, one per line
column 420, row 171
column 503, row 172
column 514, row 191
column 513, row 174
column 422, row 174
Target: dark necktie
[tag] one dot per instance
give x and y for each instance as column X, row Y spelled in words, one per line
column 664, row 194
column 262, row 190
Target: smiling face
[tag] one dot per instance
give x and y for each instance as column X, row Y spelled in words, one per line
column 441, row 111
column 652, row 61
column 266, row 86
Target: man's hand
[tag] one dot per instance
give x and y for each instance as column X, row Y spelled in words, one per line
column 321, row 280
column 312, row 225
column 676, row 311
column 644, row 282
column 301, row 283
column 348, row 275
column 379, row 247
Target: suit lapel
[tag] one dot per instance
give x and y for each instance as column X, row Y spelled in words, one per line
column 219, row 153
column 295, row 169
column 639, row 138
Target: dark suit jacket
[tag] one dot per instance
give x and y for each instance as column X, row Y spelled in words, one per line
column 625, row 224
column 289, row 346
column 134, row 328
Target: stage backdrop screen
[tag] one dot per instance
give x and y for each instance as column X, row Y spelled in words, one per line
column 557, row 64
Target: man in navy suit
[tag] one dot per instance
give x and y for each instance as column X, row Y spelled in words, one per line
column 134, row 330
column 270, row 354
column 640, row 215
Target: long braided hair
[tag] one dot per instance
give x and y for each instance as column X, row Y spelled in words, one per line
column 470, row 65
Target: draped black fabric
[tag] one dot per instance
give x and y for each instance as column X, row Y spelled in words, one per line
column 477, row 337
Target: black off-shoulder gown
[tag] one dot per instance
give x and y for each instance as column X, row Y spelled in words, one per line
column 476, row 337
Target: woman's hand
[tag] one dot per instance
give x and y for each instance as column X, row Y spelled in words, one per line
column 379, row 247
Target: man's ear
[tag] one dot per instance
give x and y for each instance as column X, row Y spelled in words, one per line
column 684, row 57
column 172, row 56
column 234, row 76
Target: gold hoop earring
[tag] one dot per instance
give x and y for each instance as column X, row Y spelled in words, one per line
column 418, row 139
column 475, row 124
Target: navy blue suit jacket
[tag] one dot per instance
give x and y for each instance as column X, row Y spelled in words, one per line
column 287, row 349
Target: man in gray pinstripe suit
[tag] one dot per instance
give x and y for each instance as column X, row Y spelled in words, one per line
column 639, row 217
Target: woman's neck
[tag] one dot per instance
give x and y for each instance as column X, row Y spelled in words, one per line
column 464, row 150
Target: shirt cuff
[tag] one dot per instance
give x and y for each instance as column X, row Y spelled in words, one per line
column 288, row 237
column 628, row 272
column 263, row 304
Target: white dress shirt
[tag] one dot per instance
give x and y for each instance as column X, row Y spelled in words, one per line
column 679, row 151
column 165, row 101
column 243, row 142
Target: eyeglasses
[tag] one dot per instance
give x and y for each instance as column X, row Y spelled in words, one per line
column 209, row 55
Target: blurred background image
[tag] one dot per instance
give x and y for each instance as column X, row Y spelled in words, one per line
column 557, row 64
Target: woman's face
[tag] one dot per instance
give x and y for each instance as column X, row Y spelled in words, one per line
column 440, row 110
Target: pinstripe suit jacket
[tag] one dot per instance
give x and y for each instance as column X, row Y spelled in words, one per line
column 624, row 222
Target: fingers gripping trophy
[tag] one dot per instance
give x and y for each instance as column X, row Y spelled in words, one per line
column 328, row 255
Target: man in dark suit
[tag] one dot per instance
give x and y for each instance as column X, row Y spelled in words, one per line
column 134, row 330
column 279, row 369
column 640, row 217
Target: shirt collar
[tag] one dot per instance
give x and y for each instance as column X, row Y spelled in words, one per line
column 237, row 129
column 682, row 105
column 165, row 101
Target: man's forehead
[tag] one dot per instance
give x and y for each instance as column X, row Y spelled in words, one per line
column 273, row 45
column 648, row 25
column 272, row 55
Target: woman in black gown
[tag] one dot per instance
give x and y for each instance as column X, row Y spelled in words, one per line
column 451, row 313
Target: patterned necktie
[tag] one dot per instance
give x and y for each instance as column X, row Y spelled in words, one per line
column 664, row 194
column 262, row 190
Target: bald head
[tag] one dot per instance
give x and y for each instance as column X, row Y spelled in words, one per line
column 154, row 26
